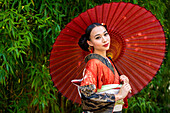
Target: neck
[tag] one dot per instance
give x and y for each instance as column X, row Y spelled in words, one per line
column 102, row 53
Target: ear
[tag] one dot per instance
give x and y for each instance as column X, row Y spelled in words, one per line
column 90, row 43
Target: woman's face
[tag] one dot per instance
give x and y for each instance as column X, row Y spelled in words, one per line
column 99, row 39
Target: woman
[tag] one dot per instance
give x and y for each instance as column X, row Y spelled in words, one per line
column 100, row 71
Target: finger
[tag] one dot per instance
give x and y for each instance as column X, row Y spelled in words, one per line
column 129, row 88
column 127, row 85
column 124, row 79
column 122, row 76
column 130, row 91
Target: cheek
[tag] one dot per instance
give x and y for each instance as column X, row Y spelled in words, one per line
column 109, row 38
column 97, row 43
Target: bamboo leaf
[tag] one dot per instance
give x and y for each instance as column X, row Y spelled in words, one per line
column 35, row 101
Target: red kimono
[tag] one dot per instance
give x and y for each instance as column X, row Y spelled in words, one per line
column 98, row 71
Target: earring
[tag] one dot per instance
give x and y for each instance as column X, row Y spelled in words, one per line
column 90, row 48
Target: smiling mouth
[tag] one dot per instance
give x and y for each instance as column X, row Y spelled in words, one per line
column 106, row 45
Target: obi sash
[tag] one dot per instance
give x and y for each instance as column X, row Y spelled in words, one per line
column 112, row 89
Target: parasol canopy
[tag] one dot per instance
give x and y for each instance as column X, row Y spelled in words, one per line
column 137, row 46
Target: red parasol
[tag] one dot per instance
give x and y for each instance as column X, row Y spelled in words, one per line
column 137, row 46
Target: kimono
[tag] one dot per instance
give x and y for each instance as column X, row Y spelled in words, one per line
column 98, row 71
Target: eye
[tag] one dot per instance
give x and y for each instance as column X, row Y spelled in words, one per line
column 98, row 37
column 105, row 34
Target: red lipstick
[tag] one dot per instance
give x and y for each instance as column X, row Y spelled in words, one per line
column 106, row 45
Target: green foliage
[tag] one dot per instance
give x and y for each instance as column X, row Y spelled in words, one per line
column 25, row 45
column 28, row 28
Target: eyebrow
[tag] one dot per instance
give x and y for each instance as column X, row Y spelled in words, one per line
column 99, row 34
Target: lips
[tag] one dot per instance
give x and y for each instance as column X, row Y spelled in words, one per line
column 106, row 45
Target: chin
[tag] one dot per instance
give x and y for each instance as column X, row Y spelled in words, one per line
column 107, row 48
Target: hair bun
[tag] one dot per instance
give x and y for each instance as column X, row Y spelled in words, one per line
column 83, row 43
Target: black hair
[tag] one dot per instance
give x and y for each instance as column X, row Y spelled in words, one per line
column 83, row 40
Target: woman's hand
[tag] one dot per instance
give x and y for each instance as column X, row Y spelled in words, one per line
column 124, row 90
column 124, row 79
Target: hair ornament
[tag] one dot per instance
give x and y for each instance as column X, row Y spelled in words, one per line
column 103, row 24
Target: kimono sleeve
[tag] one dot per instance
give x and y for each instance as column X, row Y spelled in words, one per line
column 90, row 73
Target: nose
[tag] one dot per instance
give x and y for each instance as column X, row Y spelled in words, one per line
column 104, row 39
